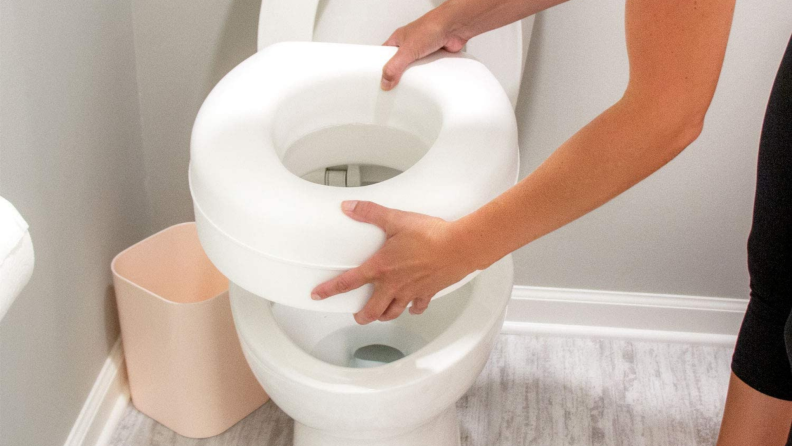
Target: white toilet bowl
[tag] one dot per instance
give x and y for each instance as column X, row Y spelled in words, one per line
column 305, row 360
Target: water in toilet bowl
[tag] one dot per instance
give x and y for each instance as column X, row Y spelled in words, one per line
column 375, row 355
column 362, row 347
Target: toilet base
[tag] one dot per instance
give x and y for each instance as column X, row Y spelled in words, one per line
column 441, row 431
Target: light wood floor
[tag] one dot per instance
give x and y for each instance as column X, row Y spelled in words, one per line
column 544, row 391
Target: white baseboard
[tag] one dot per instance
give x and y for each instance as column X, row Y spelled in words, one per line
column 636, row 316
column 632, row 334
column 105, row 405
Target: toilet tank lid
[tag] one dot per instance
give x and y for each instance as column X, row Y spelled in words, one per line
column 240, row 186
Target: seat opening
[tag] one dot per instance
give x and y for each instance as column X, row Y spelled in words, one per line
column 348, row 132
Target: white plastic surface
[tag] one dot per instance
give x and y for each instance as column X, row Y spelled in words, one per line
column 16, row 255
column 297, row 357
column 502, row 50
column 277, row 235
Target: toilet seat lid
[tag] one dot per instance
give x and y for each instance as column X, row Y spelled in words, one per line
column 241, row 136
column 503, row 51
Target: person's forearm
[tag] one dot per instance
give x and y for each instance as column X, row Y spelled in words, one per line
column 619, row 148
column 676, row 51
column 469, row 18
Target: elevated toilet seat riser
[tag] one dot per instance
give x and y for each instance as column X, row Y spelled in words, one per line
column 255, row 213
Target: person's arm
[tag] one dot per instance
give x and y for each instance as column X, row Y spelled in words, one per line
column 676, row 51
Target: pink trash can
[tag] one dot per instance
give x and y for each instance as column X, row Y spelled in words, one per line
column 186, row 367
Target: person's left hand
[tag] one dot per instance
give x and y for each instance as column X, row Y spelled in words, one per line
column 419, row 258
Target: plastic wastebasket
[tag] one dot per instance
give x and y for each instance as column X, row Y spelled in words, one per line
column 186, row 367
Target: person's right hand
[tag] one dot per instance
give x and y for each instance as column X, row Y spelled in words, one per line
column 417, row 40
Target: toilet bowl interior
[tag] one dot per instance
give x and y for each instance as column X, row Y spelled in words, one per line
column 337, row 339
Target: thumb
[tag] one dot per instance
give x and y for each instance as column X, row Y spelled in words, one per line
column 394, row 68
column 368, row 212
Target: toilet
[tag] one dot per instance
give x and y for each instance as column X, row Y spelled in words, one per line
column 303, row 125
column 308, row 362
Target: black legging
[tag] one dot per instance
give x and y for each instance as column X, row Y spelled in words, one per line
column 763, row 353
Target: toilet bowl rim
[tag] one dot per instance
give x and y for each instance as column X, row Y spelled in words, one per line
column 492, row 288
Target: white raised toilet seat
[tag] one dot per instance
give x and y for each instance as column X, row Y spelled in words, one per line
column 293, row 108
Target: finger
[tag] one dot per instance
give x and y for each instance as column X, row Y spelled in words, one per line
column 394, row 310
column 374, row 308
column 393, row 40
column 420, row 305
column 368, row 212
column 393, row 70
column 348, row 281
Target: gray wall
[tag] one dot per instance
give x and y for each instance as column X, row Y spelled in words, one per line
column 183, row 48
column 682, row 231
column 70, row 161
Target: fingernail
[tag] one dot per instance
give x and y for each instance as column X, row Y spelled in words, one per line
column 386, row 85
column 315, row 296
column 349, row 206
